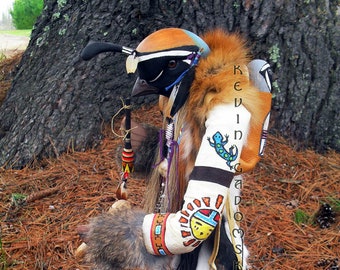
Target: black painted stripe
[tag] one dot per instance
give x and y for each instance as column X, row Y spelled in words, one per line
column 210, row 174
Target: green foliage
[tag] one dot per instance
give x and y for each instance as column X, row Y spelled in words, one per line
column 2, row 58
column 61, row 3
column 18, row 199
column 20, row 33
column 274, row 54
column 25, row 13
column 334, row 203
column 301, row 217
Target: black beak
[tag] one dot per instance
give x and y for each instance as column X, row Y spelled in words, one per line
column 142, row 88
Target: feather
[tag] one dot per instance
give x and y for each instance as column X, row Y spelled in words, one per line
column 164, row 39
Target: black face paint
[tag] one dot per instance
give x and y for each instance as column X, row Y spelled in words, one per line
column 164, row 69
column 161, row 72
column 183, row 92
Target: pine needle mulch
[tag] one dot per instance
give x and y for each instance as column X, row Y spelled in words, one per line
column 281, row 199
column 39, row 231
column 42, row 206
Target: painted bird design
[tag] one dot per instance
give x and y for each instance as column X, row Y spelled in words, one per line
column 195, row 79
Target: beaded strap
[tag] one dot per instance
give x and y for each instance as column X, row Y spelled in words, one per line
column 157, row 234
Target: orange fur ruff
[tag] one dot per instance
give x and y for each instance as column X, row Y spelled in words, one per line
column 214, row 84
column 164, row 39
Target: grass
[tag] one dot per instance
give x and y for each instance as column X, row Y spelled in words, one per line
column 301, row 217
column 334, row 203
column 2, row 57
column 24, row 33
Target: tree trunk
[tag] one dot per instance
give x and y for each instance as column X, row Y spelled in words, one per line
column 58, row 102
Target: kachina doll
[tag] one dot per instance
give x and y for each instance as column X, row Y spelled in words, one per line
column 215, row 104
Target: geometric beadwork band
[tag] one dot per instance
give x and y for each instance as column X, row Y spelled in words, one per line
column 157, row 234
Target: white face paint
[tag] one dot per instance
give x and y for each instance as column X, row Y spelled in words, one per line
column 175, row 53
column 155, row 79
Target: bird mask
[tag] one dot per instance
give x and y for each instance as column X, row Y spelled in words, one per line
column 165, row 62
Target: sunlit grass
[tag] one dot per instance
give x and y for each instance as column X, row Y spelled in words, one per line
column 24, row 33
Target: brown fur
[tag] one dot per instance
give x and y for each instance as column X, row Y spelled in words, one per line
column 115, row 241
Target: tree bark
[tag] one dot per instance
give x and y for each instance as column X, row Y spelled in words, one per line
column 58, row 102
